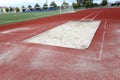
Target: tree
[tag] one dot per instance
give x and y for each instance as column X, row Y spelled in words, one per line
column 30, row 7
column 17, row 9
column 37, row 6
column 95, row 5
column 11, row 9
column 65, row 5
column 7, row 9
column 45, row 6
column 88, row 4
column 23, row 9
column 75, row 5
column 81, row 2
column 53, row 4
column 104, row 2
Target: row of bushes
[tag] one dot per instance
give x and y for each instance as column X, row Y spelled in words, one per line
column 89, row 4
column 53, row 6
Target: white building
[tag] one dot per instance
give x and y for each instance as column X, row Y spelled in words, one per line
column 2, row 9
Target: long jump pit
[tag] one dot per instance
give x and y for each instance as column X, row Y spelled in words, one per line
column 72, row 34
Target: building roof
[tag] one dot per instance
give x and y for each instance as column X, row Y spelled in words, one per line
column 3, row 7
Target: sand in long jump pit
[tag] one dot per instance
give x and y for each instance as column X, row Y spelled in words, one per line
column 73, row 34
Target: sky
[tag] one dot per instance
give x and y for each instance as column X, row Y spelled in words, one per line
column 19, row 3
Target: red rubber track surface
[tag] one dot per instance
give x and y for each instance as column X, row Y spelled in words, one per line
column 27, row 61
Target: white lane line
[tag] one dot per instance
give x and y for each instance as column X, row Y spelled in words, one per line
column 103, row 39
column 102, row 45
column 103, row 36
column 88, row 16
column 90, row 58
column 96, row 15
column 16, row 29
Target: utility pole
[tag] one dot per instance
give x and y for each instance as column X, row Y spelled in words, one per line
column 46, row 2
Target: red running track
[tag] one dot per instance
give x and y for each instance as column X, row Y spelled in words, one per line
column 27, row 61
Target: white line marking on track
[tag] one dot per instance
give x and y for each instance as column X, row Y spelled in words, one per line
column 103, row 36
column 102, row 44
column 92, row 58
column 103, row 39
column 96, row 15
column 88, row 16
column 16, row 29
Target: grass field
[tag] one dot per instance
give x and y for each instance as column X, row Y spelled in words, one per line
column 18, row 17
